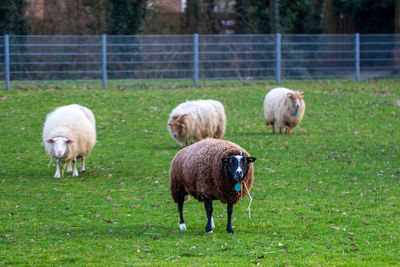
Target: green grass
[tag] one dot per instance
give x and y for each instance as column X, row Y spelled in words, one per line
column 327, row 195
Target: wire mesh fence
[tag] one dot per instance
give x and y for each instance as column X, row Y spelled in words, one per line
column 319, row 56
column 198, row 57
column 237, row 56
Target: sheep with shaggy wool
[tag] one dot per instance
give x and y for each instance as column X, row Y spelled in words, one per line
column 192, row 121
column 69, row 134
column 211, row 169
column 284, row 107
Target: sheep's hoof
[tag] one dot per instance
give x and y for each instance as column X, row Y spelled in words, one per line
column 57, row 176
column 81, row 171
column 230, row 231
column 182, row 226
column 209, row 229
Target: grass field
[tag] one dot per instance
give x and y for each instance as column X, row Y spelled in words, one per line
column 327, row 195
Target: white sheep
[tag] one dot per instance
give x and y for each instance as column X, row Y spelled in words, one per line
column 284, row 107
column 192, row 121
column 208, row 170
column 69, row 134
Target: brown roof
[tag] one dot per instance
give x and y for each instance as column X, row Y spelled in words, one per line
column 35, row 8
column 168, row 5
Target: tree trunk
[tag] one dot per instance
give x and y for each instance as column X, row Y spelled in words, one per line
column 396, row 61
column 274, row 9
column 397, row 17
column 329, row 16
column 192, row 16
column 211, row 19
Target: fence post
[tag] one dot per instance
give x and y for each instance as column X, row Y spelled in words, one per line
column 104, row 59
column 7, row 60
column 196, row 59
column 357, row 55
column 278, row 58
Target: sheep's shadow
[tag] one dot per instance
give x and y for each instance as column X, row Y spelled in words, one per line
column 143, row 230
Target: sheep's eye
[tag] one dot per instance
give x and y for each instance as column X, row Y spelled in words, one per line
column 226, row 160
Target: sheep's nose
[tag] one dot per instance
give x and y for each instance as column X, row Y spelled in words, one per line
column 239, row 173
column 297, row 105
column 174, row 135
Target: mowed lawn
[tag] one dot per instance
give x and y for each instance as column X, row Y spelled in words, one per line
column 327, row 195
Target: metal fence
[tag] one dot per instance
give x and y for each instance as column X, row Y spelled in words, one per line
column 198, row 57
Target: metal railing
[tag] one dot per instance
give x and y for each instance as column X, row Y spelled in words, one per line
column 198, row 57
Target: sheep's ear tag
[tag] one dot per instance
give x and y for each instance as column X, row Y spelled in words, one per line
column 295, row 113
column 238, row 187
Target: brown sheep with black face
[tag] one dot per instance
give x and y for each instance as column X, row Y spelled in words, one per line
column 211, row 169
column 284, row 107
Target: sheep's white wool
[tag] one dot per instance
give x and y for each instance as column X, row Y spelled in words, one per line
column 192, row 121
column 238, row 158
column 69, row 133
column 286, row 112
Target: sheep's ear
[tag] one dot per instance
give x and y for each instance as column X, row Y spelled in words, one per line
column 182, row 117
column 69, row 141
column 50, row 141
column 225, row 160
column 251, row 159
column 301, row 94
column 290, row 95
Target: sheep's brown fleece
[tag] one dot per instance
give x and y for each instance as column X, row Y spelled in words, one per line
column 198, row 170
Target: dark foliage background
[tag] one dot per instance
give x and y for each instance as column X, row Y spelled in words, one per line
column 128, row 17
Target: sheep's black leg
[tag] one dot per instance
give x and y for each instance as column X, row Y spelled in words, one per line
column 182, row 225
column 209, row 211
column 229, row 225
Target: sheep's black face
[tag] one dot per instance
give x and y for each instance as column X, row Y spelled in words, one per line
column 237, row 166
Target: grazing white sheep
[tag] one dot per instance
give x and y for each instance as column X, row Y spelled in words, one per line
column 208, row 170
column 192, row 121
column 69, row 134
column 284, row 107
